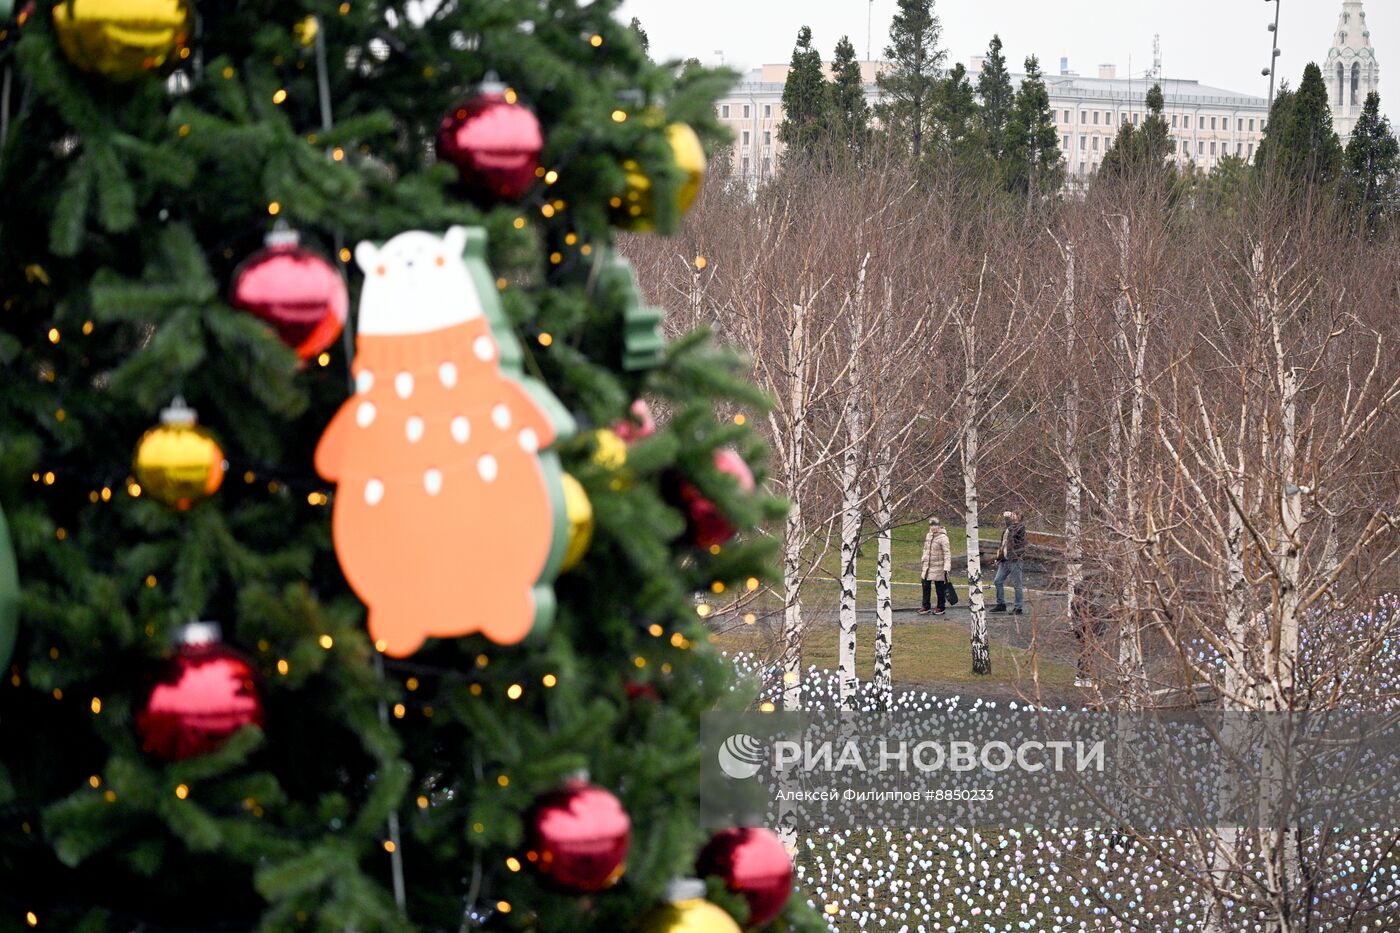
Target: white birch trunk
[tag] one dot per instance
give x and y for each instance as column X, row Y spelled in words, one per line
column 847, row 683
column 1238, row 695
column 1283, row 864
column 1074, row 480
column 794, row 530
column 884, row 608
column 1130, row 659
column 977, row 606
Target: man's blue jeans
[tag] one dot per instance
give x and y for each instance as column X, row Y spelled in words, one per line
column 1012, row 569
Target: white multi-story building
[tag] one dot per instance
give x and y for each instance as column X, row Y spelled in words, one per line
column 1351, row 70
column 1207, row 123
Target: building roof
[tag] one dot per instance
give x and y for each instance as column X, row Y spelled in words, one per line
column 1175, row 90
column 1178, row 92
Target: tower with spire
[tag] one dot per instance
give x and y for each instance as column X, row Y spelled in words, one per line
column 1352, row 71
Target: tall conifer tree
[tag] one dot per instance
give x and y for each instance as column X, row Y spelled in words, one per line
column 805, row 98
column 1032, row 160
column 1372, row 164
column 910, row 85
column 1299, row 143
column 850, row 112
column 998, row 97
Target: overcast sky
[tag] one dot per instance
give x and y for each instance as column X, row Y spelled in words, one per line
column 1219, row 42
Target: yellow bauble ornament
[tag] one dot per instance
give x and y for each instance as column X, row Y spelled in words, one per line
column 306, row 29
column 687, row 912
column 690, row 159
column 179, row 463
column 580, row 512
column 634, row 208
column 610, row 450
column 123, row 39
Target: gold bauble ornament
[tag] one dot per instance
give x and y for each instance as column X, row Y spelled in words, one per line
column 610, row 450
column 580, row 512
column 634, row 209
column 179, row 463
column 123, row 39
column 690, row 159
column 687, row 911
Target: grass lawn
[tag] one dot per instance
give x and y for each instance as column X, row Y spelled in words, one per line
column 934, row 652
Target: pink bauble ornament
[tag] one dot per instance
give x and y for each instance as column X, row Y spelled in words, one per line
column 206, row 693
column 494, row 142
column 295, row 290
column 751, row 861
column 578, row 837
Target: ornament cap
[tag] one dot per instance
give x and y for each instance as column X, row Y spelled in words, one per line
column 199, row 633
column 177, row 412
column 491, row 84
column 684, row 889
column 282, row 234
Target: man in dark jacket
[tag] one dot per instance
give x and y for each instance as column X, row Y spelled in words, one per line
column 1009, row 555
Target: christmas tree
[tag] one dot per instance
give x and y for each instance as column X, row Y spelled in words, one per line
column 198, row 427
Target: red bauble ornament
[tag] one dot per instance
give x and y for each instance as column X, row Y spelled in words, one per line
column 494, row 142
column 640, row 691
column 638, row 424
column 295, row 290
column 206, row 693
column 706, row 525
column 751, row 861
column 578, row 837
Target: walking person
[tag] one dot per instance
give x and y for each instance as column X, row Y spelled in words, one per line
column 936, row 564
column 1009, row 556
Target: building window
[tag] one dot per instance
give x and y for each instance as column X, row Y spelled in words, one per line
column 1212, row 122
column 1067, row 116
column 1173, row 121
column 1239, row 148
column 767, row 137
column 1212, row 148
column 1355, row 83
column 724, row 111
column 1185, row 148
column 1096, row 144
column 745, row 137
column 1064, row 144
column 1251, row 124
column 1240, row 126
column 1096, row 117
column 767, row 110
column 1203, row 123
column 1200, row 148
column 1123, row 117
column 1251, row 150
column 746, row 111
column 1083, row 116
column 1083, row 142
